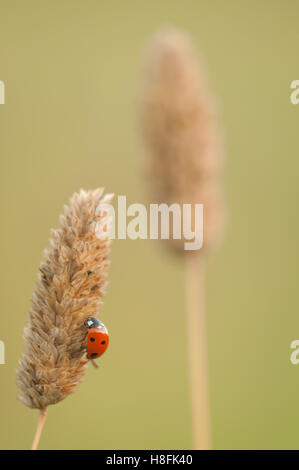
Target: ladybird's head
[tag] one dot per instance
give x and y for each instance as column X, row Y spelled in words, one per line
column 91, row 322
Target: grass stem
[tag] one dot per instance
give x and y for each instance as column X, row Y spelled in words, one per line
column 39, row 428
column 197, row 351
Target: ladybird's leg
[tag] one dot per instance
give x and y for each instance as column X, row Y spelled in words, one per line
column 85, row 339
column 86, row 351
column 95, row 365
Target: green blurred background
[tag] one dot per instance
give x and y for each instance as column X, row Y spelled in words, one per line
column 71, row 72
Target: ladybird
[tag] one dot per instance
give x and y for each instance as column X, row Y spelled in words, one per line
column 97, row 337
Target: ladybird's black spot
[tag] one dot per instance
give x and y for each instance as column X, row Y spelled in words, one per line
column 103, row 342
column 92, row 339
column 94, row 355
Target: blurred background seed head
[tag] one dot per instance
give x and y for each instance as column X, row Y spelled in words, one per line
column 71, row 71
column 181, row 133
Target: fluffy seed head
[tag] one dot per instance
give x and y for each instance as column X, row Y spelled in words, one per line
column 180, row 132
column 70, row 287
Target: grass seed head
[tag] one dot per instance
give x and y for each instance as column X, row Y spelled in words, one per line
column 70, row 287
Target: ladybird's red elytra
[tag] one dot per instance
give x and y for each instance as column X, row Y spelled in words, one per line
column 97, row 338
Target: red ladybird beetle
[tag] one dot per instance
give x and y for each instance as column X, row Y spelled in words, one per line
column 97, row 338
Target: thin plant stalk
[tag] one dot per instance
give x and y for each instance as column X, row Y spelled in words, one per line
column 40, row 424
column 183, row 142
column 197, row 351
column 70, row 287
